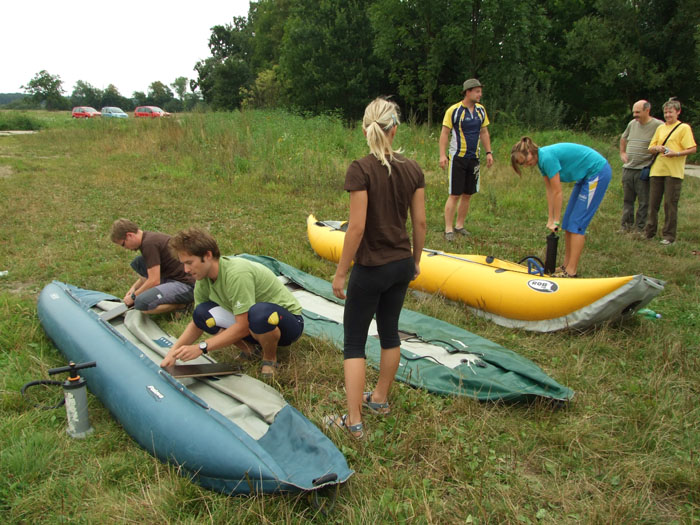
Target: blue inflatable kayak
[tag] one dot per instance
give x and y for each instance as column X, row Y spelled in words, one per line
column 233, row 434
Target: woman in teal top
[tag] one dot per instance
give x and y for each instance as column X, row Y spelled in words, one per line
column 566, row 162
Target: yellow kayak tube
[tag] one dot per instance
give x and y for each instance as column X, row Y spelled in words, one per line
column 508, row 293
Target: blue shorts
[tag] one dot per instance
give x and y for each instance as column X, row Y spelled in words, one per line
column 211, row 318
column 584, row 201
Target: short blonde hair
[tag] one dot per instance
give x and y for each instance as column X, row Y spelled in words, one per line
column 672, row 103
column 381, row 116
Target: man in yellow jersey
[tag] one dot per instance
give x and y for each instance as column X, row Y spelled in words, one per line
column 464, row 129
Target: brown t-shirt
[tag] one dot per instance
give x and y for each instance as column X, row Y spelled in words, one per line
column 389, row 197
column 155, row 251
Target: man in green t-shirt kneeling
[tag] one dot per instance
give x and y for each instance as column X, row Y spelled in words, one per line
column 236, row 300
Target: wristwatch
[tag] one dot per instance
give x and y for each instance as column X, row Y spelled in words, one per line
column 133, row 296
column 203, row 347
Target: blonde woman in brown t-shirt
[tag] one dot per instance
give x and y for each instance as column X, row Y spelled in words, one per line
column 384, row 186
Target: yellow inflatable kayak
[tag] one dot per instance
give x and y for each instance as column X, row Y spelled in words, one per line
column 508, row 293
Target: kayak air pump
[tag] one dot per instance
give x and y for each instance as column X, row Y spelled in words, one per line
column 75, row 394
column 550, row 262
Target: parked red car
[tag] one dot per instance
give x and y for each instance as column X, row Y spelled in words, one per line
column 85, row 112
column 150, row 111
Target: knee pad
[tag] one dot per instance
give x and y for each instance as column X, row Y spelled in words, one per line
column 263, row 317
column 211, row 317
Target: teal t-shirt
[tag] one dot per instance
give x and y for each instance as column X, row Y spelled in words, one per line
column 573, row 162
column 241, row 284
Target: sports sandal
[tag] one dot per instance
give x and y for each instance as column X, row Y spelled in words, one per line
column 462, row 231
column 253, row 355
column 449, row 236
column 356, row 431
column 378, row 408
column 269, row 375
column 563, row 273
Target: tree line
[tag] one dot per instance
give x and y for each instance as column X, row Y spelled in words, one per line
column 45, row 90
column 543, row 62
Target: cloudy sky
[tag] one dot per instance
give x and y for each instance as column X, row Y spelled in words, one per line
column 129, row 43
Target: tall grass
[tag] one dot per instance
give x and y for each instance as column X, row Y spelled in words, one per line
column 32, row 120
column 625, row 450
column 18, row 121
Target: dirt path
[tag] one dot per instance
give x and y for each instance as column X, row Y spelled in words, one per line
column 5, row 133
column 692, row 170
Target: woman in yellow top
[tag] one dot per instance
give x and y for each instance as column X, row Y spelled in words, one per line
column 666, row 175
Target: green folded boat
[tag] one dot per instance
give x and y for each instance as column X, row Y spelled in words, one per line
column 435, row 355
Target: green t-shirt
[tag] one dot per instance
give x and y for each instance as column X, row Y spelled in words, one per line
column 241, row 284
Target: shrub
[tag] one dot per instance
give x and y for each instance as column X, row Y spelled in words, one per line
column 525, row 104
column 14, row 121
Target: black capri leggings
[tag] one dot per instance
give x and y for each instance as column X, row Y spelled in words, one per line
column 380, row 290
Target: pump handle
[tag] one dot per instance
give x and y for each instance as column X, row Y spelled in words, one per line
column 72, row 368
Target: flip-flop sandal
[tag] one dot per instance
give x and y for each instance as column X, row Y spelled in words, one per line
column 378, row 408
column 357, row 431
column 269, row 375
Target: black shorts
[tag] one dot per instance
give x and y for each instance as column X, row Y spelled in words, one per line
column 464, row 176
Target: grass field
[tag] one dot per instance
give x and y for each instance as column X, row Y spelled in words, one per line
column 625, row 450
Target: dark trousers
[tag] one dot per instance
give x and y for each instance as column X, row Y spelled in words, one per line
column 380, row 290
column 668, row 189
column 634, row 189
